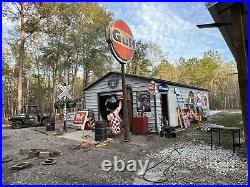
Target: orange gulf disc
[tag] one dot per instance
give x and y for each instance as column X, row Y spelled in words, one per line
column 124, row 48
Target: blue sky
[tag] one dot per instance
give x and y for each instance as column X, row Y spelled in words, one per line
column 172, row 25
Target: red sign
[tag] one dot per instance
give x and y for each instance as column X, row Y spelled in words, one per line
column 80, row 117
column 151, row 87
column 121, row 41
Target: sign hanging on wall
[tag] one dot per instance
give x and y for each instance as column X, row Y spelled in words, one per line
column 143, row 102
column 163, row 87
column 121, row 42
column 113, row 81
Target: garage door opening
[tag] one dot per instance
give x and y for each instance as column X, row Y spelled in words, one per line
column 102, row 109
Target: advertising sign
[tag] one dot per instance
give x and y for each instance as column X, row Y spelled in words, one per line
column 163, row 87
column 143, row 103
column 80, row 119
column 70, row 118
column 121, row 42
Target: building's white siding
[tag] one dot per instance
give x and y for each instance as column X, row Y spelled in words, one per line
column 137, row 84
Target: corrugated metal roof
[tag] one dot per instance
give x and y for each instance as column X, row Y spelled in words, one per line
column 146, row 78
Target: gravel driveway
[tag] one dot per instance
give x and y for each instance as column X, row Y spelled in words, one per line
column 192, row 163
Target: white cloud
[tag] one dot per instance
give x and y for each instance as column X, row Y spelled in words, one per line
column 172, row 26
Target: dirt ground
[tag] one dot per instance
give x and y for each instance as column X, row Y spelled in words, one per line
column 186, row 159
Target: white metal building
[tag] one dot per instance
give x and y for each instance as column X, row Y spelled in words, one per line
column 164, row 101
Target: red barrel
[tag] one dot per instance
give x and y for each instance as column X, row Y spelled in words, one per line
column 140, row 125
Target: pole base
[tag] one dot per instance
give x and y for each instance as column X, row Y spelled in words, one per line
column 127, row 140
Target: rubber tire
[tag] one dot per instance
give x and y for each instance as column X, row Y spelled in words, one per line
column 17, row 125
column 161, row 134
column 45, row 122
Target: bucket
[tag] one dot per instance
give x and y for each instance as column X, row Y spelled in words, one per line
column 100, row 131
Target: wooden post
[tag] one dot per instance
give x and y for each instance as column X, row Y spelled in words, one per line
column 125, row 106
column 155, row 111
column 241, row 59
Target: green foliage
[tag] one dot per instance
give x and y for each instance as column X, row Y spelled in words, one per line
column 67, row 39
column 165, row 70
column 141, row 64
column 208, row 72
column 60, row 39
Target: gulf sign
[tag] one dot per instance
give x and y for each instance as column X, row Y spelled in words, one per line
column 121, row 42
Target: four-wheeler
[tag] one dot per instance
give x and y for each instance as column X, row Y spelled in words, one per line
column 31, row 116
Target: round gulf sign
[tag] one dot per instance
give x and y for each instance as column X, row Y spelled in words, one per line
column 121, row 41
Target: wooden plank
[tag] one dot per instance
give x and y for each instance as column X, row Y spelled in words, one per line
column 179, row 118
column 196, row 117
column 242, row 64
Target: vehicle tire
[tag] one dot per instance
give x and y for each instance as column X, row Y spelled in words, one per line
column 161, row 134
column 17, row 124
column 45, row 122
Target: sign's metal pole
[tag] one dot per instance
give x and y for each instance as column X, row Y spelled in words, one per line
column 125, row 106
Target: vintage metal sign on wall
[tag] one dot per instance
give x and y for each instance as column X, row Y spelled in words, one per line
column 121, row 41
column 143, row 103
column 113, row 81
column 162, row 87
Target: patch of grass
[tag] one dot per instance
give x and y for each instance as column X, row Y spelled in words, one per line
column 227, row 119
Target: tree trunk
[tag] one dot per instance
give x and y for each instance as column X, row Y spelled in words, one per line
column 21, row 59
column 40, row 86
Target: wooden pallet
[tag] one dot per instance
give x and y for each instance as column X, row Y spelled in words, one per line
column 196, row 117
column 179, row 118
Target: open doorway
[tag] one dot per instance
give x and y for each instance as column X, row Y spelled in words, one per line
column 164, row 106
column 102, row 114
column 102, row 109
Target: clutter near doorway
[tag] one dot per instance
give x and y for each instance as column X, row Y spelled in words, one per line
column 166, row 130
